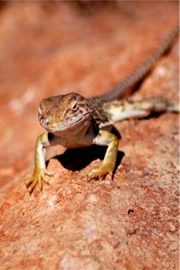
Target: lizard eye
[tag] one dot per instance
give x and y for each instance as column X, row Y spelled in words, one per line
column 75, row 107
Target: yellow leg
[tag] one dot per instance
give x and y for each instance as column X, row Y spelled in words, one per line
column 106, row 138
column 40, row 171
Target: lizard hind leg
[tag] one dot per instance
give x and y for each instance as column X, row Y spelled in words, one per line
column 106, row 138
column 160, row 104
column 119, row 110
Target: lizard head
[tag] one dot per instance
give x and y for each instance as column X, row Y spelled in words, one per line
column 63, row 113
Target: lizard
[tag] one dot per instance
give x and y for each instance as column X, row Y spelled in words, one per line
column 74, row 121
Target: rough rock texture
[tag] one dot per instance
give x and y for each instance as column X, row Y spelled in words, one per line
column 130, row 223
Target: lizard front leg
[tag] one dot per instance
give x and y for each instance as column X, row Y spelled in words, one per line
column 109, row 162
column 40, row 171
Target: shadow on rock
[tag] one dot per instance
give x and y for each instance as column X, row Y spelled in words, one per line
column 79, row 158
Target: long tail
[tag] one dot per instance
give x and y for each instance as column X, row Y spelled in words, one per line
column 141, row 70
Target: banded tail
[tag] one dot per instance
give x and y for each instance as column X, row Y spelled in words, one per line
column 141, row 70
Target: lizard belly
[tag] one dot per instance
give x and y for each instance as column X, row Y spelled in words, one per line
column 70, row 143
column 74, row 140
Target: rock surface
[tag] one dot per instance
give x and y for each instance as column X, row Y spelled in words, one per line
column 130, row 223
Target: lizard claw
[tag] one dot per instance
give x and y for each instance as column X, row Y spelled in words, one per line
column 39, row 175
column 47, row 172
column 101, row 172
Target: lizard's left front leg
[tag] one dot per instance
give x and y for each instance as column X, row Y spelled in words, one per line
column 106, row 138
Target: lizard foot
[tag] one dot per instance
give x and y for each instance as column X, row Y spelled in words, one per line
column 102, row 171
column 39, row 175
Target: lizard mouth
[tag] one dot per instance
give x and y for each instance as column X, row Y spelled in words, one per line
column 68, row 125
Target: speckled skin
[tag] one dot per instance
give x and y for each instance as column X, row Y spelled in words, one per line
column 74, row 121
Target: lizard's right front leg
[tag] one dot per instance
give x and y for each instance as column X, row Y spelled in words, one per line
column 40, row 171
